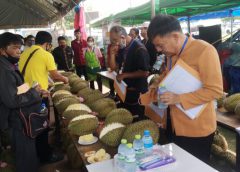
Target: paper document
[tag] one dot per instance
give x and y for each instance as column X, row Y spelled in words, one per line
column 22, row 89
column 183, row 79
column 120, row 87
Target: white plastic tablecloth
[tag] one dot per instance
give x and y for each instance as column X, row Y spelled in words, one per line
column 185, row 162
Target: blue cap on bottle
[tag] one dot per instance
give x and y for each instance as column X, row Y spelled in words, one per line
column 43, row 105
column 146, row 132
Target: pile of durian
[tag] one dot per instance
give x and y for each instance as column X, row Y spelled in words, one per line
column 220, row 149
column 230, row 104
column 84, row 108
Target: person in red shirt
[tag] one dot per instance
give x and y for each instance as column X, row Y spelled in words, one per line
column 78, row 45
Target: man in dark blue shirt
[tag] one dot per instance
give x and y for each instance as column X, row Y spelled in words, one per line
column 63, row 55
column 132, row 65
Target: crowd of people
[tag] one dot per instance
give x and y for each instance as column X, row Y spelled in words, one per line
column 132, row 57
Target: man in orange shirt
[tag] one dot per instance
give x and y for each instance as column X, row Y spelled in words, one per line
column 194, row 135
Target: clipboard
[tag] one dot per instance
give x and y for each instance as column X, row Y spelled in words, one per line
column 108, row 74
column 120, row 88
column 184, row 79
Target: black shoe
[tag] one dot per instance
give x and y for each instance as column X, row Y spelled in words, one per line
column 54, row 158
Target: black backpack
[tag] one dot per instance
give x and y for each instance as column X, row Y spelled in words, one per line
column 34, row 121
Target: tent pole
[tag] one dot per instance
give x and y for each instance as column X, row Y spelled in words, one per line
column 153, row 8
column 231, row 23
column 189, row 25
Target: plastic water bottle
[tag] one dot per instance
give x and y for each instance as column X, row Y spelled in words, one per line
column 159, row 61
column 43, row 108
column 130, row 160
column 121, row 153
column 138, row 146
column 148, row 143
column 162, row 89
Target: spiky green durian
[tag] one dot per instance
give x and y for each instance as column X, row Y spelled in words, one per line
column 119, row 115
column 85, row 92
column 93, row 97
column 220, row 140
column 217, row 150
column 231, row 102
column 75, row 110
column 139, row 127
column 83, row 125
column 62, row 105
column 77, row 86
column 103, row 107
column 112, row 133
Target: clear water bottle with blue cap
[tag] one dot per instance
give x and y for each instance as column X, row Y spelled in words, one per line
column 43, row 108
column 121, row 153
column 138, row 146
column 161, row 90
column 130, row 160
column 147, row 142
column 159, row 61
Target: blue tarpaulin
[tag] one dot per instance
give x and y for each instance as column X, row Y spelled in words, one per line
column 233, row 12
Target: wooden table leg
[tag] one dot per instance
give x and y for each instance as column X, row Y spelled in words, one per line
column 238, row 149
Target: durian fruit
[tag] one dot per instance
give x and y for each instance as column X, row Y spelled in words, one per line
column 111, row 134
column 230, row 157
column 73, row 157
column 220, row 140
column 75, row 110
column 61, row 87
column 86, row 138
column 62, row 105
column 119, row 115
column 217, row 150
column 93, row 97
column 84, row 92
column 220, row 102
column 80, row 107
column 83, row 125
column 59, row 98
column 103, row 107
column 139, row 127
column 237, row 110
column 78, row 86
column 72, row 76
column 61, row 92
column 72, row 79
column 67, row 74
column 231, row 102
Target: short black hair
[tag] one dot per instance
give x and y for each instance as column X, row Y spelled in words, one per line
column 90, row 37
column 119, row 30
column 29, row 37
column 77, row 30
column 162, row 25
column 136, row 30
column 8, row 38
column 43, row 37
column 60, row 38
